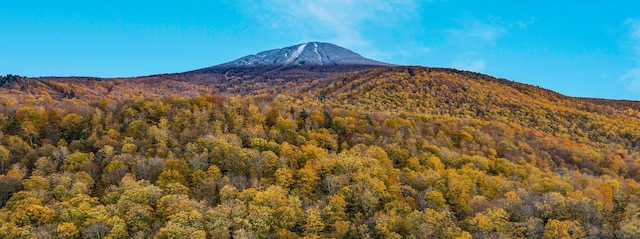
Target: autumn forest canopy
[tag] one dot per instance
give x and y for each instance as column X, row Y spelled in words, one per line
column 379, row 152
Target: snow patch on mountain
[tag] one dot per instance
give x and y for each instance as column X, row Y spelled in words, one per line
column 315, row 49
column 321, row 54
column 296, row 53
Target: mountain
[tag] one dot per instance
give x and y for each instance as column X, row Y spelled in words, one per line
column 305, row 54
column 314, row 141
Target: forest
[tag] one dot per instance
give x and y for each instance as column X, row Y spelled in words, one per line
column 398, row 152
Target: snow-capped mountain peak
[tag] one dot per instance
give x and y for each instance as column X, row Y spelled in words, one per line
column 309, row 54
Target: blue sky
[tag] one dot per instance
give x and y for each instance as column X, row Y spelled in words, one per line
column 577, row 48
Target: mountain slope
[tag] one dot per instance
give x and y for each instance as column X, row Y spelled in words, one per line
column 604, row 124
column 317, row 151
column 305, row 54
column 608, row 126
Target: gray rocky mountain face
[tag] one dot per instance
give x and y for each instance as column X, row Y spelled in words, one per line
column 306, row 54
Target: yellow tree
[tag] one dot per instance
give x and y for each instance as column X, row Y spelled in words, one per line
column 75, row 162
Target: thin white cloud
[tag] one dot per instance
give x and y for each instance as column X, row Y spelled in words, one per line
column 469, row 61
column 633, row 76
column 473, row 65
column 635, row 28
column 342, row 22
column 473, row 29
column 525, row 24
column 471, row 38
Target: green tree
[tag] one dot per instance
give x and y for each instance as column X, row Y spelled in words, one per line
column 75, row 162
column 74, row 127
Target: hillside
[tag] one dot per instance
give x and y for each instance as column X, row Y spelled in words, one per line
column 315, row 151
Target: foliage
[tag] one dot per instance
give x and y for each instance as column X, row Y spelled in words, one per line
column 383, row 153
